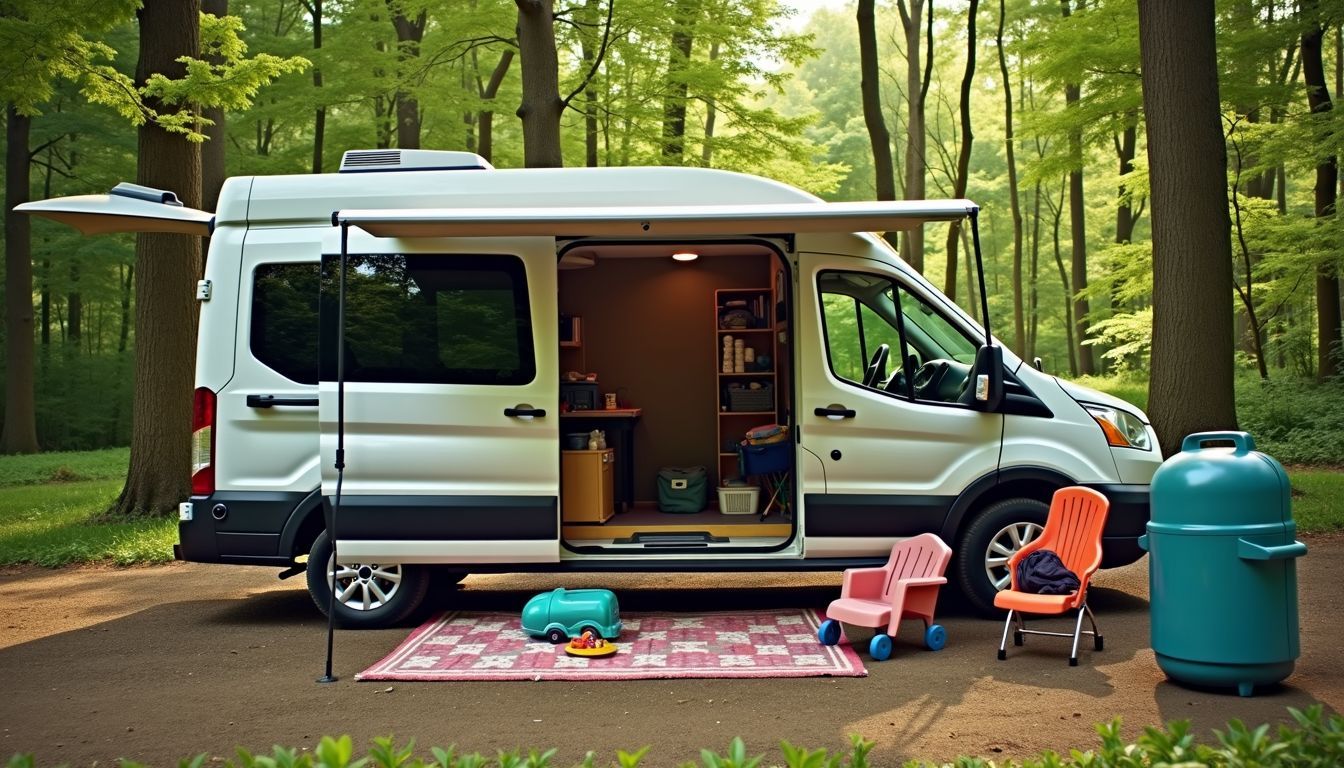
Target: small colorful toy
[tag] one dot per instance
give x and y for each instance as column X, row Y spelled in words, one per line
column 562, row 614
column 588, row 644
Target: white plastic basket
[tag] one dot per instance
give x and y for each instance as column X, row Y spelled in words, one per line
column 739, row 500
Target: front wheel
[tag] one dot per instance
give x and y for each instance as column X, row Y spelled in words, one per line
column 368, row 595
column 992, row 537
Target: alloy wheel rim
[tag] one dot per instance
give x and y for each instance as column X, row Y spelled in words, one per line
column 1003, row 546
column 365, row 586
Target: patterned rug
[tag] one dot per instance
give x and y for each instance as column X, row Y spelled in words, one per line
column 491, row 646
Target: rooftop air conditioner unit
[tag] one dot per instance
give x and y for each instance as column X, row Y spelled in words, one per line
column 379, row 160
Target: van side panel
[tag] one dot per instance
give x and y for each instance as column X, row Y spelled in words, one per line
column 438, row 461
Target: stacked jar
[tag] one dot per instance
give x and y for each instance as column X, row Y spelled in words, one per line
column 728, row 362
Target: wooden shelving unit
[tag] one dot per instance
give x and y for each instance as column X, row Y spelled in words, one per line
column 760, row 339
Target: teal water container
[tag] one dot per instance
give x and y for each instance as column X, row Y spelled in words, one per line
column 1222, row 565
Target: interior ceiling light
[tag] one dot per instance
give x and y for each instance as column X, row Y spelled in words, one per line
column 685, row 256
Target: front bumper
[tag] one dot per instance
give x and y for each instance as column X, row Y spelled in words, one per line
column 1126, row 521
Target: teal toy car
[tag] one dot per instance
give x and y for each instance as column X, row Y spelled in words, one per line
column 564, row 613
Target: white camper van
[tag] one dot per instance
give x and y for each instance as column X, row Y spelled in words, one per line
column 516, row 365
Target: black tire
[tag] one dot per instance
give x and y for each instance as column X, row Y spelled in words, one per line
column 401, row 599
column 590, row 628
column 973, row 549
column 556, row 636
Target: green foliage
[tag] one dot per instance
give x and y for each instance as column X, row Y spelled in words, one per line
column 1312, row 739
column 1295, row 421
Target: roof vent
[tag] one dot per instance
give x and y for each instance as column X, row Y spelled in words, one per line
column 381, row 160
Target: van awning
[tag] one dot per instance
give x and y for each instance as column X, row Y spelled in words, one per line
column 128, row 208
column 656, row 221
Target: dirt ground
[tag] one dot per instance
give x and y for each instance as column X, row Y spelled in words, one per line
column 154, row 664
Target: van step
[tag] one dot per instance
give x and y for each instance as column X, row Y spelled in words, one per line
column 670, row 539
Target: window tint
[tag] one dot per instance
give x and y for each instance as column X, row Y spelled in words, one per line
column 433, row 319
column 283, row 335
column 862, row 312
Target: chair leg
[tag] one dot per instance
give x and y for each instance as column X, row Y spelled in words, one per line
column 1003, row 643
column 1077, row 628
column 1019, row 634
column 1097, row 642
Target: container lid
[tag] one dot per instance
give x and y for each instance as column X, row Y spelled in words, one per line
column 690, row 472
column 1219, row 479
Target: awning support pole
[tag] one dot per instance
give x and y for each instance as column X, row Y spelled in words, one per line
column 980, row 270
column 328, row 677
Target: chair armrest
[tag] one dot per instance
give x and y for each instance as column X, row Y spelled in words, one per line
column 923, row 581
column 1017, row 556
column 863, row 582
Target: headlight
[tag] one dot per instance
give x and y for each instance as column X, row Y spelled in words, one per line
column 1123, row 429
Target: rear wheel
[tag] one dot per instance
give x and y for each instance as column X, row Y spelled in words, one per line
column 992, row 537
column 368, row 595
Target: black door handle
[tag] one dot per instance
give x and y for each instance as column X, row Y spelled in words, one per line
column 267, row 401
column 844, row 413
column 524, row 411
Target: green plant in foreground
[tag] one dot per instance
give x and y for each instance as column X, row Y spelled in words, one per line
column 1312, row 741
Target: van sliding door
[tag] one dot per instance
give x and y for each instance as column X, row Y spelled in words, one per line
column 451, row 402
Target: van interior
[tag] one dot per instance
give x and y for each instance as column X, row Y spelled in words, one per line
column 672, row 353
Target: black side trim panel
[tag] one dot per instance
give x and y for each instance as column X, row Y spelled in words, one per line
column 1125, row 523
column 873, row 515
column 447, row 518
column 700, row 565
column 237, row 526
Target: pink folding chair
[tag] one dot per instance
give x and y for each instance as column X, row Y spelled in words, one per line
column 905, row 588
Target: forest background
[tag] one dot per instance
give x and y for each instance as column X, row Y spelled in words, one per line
column 1032, row 108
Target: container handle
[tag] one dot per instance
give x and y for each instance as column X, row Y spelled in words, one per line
column 1242, row 440
column 1143, row 542
column 1250, row 551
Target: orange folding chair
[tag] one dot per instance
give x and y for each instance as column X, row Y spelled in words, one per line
column 1073, row 531
column 905, row 588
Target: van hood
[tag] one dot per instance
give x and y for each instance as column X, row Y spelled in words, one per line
column 1088, row 395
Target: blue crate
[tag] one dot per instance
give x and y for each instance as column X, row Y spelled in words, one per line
column 764, row 459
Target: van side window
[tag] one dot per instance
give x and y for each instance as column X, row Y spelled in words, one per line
column 283, row 335
column 928, row 357
column 430, row 319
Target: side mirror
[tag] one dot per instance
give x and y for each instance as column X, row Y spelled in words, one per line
column 987, row 378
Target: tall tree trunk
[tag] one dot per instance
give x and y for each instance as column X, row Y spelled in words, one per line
column 212, row 151
column 870, row 88
column 588, row 45
column 707, row 151
column 1058, row 213
column 1327, row 179
column 1078, row 228
column 1014, row 204
column 74, row 310
column 1125, row 147
column 684, row 16
column 319, row 114
column 485, row 122
column 409, row 34
column 541, row 106
column 963, row 153
column 1033, row 320
column 20, row 433
column 916, row 142
column 1190, row 384
column 125, row 284
column 166, row 270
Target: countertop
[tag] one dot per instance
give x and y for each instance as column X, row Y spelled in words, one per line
column 613, row 413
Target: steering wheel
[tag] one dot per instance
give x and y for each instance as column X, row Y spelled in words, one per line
column 926, row 378
column 877, row 366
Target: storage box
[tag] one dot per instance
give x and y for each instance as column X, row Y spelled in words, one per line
column 739, row 500
column 764, row 459
column 759, row 400
column 682, row 489
column 580, row 395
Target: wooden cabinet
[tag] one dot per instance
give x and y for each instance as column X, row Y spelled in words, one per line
column 587, row 481
column 746, row 362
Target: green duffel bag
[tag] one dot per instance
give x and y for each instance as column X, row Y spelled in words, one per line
column 682, row 489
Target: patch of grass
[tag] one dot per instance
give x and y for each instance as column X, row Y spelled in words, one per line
column 49, row 524
column 1318, row 500
column 1131, row 389
column 64, row 467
